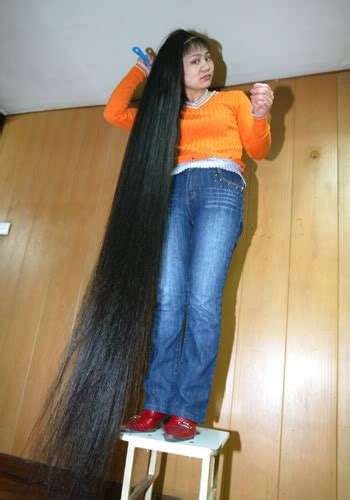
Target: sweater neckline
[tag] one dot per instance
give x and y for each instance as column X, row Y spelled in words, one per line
column 201, row 101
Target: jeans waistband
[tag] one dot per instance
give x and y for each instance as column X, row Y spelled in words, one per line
column 210, row 163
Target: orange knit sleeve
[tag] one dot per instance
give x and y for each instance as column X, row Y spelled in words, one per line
column 117, row 111
column 254, row 132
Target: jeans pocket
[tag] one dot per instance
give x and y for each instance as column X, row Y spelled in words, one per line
column 231, row 179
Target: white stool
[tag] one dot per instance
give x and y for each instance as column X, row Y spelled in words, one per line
column 206, row 445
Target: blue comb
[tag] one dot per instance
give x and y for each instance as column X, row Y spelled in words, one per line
column 141, row 54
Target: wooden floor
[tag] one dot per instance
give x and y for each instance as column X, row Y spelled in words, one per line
column 14, row 487
column 18, row 488
column 17, row 482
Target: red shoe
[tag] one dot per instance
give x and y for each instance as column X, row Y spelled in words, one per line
column 146, row 421
column 179, row 429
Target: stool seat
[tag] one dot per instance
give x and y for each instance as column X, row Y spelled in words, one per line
column 206, row 445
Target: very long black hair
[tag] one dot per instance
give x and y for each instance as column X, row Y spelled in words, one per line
column 100, row 377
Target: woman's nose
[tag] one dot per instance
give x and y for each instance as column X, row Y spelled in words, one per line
column 205, row 66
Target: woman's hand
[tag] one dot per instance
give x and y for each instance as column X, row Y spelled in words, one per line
column 147, row 66
column 262, row 99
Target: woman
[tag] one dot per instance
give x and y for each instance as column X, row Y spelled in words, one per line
column 166, row 249
column 203, row 226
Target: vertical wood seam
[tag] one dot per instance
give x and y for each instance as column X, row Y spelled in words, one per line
column 338, row 296
column 288, row 290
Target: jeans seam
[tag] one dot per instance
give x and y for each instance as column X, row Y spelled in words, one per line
column 187, row 196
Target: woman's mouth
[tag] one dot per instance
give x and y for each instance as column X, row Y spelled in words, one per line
column 205, row 77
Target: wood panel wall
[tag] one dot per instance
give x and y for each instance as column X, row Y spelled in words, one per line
column 281, row 385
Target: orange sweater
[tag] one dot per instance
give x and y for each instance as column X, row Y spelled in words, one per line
column 219, row 128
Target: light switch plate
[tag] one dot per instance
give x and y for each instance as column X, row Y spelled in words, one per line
column 4, row 228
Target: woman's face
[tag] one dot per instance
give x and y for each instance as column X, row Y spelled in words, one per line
column 198, row 69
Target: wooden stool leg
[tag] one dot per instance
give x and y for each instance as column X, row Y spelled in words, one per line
column 213, row 476
column 203, row 490
column 127, row 472
column 211, row 471
column 151, row 472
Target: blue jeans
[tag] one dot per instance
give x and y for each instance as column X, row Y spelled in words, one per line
column 204, row 224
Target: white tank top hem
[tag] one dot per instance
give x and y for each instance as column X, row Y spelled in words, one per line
column 210, row 163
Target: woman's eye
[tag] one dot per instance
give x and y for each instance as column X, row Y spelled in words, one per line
column 197, row 61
